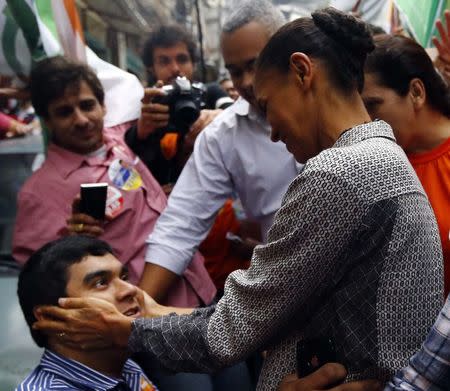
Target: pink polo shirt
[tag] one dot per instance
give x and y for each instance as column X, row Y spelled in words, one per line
column 135, row 200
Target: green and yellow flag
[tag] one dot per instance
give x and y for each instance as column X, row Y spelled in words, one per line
column 420, row 17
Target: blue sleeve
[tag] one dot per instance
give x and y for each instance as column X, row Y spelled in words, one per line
column 429, row 368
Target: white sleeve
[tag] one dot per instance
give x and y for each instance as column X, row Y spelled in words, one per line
column 201, row 190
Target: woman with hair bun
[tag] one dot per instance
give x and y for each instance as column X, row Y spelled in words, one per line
column 403, row 88
column 353, row 257
column 356, row 219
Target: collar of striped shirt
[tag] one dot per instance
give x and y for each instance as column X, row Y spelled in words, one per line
column 74, row 373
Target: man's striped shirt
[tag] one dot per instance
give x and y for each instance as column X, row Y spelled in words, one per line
column 429, row 368
column 59, row 373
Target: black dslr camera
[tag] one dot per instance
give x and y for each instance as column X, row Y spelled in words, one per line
column 185, row 100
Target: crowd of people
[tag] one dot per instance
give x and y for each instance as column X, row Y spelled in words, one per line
column 293, row 234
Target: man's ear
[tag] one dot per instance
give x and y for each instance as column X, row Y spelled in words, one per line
column 300, row 64
column 417, row 93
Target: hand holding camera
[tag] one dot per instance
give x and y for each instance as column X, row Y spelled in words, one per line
column 184, row 100
column 176, row 106
column 153, row 115
column 205, row 118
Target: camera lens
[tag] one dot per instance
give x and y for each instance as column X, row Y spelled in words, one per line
column 186, row 112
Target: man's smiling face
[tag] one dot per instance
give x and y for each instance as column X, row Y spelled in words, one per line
column 75, row 120
column 104, row 277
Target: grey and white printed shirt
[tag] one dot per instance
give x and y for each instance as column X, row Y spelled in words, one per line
column 353, row 255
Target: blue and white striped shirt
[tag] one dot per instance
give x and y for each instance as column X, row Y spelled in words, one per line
column 429, row 368
column 59, row 373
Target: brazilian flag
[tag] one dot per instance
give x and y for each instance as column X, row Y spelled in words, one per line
column 420, row 16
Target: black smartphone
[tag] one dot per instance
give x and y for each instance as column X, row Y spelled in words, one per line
column 93, row 199
column 312, row 353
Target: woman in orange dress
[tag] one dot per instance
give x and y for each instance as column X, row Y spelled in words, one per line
column 403, row 88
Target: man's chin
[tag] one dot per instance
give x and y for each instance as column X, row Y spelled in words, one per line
column 90, row 146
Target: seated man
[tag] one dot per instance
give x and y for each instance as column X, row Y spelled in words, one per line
column 79, row 266
column 69, row 98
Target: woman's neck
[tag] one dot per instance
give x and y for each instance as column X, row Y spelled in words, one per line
column 339, row 113
column 433, row 129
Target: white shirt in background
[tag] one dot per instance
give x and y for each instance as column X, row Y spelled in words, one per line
column 233, row 156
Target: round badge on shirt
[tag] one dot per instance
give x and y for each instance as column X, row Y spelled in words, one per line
column 124, row 175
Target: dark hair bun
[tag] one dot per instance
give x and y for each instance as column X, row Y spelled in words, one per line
column 348, row 31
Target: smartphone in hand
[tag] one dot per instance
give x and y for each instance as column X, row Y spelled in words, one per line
column 93, row 199
column 313, row 353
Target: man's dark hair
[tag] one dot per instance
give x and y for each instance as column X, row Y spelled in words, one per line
column 166, row 37
column 51, row 76
column 397, row 60
column 43, row 279
column 340, row 41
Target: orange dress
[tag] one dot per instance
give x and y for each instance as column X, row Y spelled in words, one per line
column 219, row 260
column 433, row 170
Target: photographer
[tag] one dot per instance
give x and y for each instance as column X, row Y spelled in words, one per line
column 162, row 139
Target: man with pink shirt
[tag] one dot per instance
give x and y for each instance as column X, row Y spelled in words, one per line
column 69, row 99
